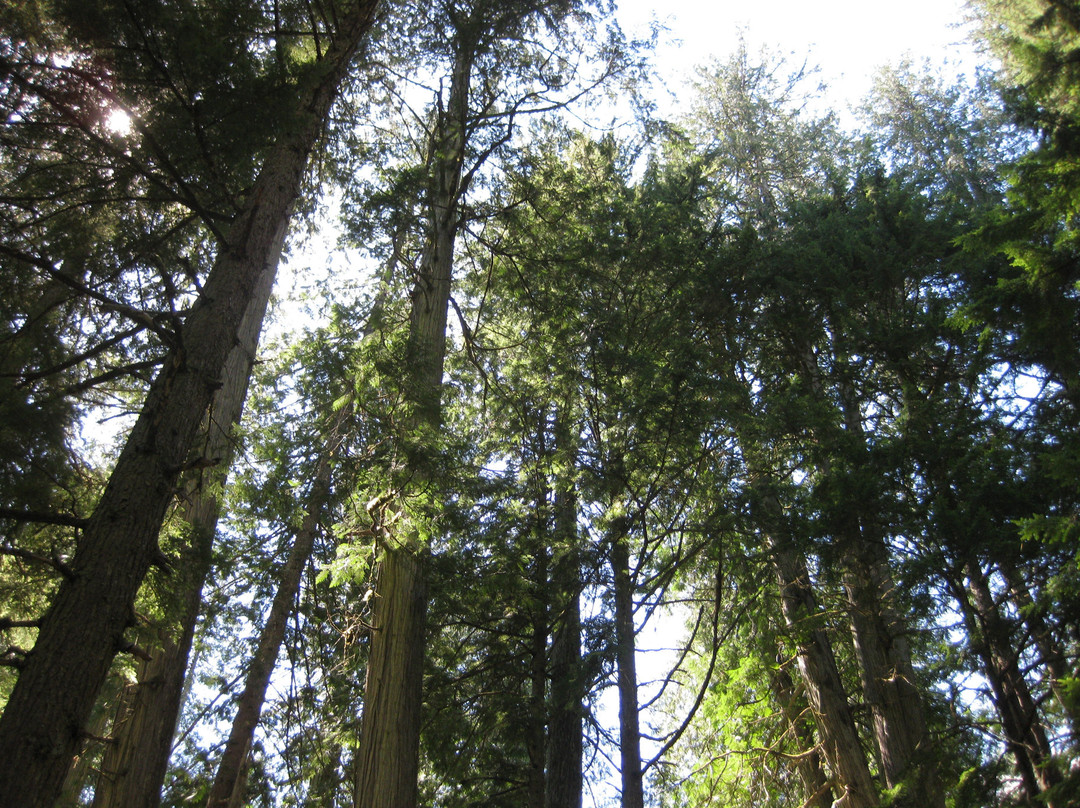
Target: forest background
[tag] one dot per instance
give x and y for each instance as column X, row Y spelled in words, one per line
column 794, row 390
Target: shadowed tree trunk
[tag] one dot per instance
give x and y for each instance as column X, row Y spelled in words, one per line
column 565, row 745
column 135, row 762
column 1025, row 736
column 1050, row 652
column 840, row 742
column 226, row 791
column 633, row 795
column 85, row 625
column 879, row 638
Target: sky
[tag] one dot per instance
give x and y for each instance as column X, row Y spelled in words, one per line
column 847, row 39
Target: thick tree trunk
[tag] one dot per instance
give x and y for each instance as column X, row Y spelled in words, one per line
column 388, row 757
column 132, row 774
column 389, row 751
column 565, row 743
column 633, row 794
column 83, row 767
column 885, row 669
column 840, row 742
column 134, row 765
column 887, row 678
column 85, row 625
column 226, row 791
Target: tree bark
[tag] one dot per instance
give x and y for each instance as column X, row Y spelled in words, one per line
column 134, row 765
column 795, row 709
column 85, row 625
column 840, row 740
column 389, row 751
column 388, row 757
column 540, row 586
column 1051, row 654
column 885, row 669
column 633, row 794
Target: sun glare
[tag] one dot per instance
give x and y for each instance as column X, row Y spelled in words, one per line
column 118, row 122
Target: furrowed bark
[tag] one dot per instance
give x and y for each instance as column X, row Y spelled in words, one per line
column 840, row 742
column 388, row 757
column 796, row 713
column 134, row 765
column 84, row 627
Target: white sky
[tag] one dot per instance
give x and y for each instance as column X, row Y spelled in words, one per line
column 847, row 39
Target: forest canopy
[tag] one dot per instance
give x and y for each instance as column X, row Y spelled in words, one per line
column 397, row 410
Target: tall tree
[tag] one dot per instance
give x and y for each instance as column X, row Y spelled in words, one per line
column 86, row 622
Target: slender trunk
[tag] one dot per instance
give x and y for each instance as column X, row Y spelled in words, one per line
column 796, row 714
column 565, row 744
column 633, row 795
column 1050, row 652
column 85, row 625
column 535, row 734
column 540, row 540
column 388, row 756
column 1024, row 732
column 226, row 791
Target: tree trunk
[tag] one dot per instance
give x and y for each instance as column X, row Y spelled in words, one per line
column 226, row 791
column 887, row 678
column 535, row 734
column 796, row 711
column 1024, row 732
column 885, row 669
column 388, row 756
column 1050, row 652
column 633, row 795
column 134, row 765
column 83, row 767
column 565, row 743
column 539, row 597
column 85, row 625
column 824, row 689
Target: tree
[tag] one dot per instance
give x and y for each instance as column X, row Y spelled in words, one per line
column 85, row 624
